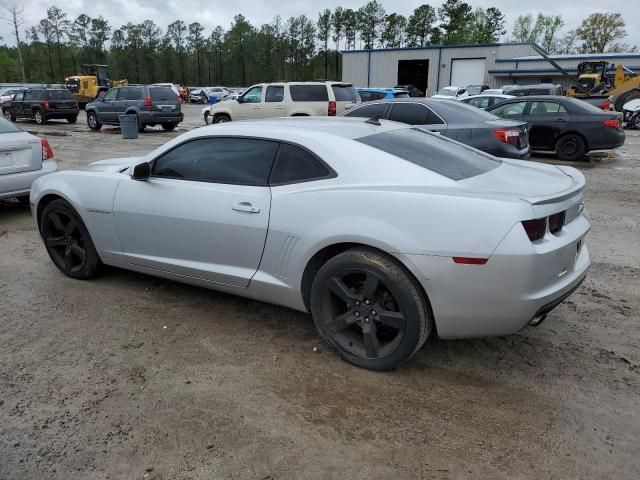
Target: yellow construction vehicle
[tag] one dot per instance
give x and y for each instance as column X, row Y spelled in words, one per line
column 602, row 78
column 92, row 82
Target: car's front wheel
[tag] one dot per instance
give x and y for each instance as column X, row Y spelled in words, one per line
column 8, row 115
column 92, row 121
column 68, row 242
column 72, row 118
column 221, row 118
column 571, row 147
column 370, row 309
column 167, row 127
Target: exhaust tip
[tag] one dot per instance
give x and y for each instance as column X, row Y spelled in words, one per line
column 535, row 321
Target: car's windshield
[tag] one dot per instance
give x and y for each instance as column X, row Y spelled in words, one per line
column 428, row 150
column 474, row 89
column 7, row 127
column 447, row 91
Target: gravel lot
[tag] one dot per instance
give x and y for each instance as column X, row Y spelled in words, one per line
column 129, row 376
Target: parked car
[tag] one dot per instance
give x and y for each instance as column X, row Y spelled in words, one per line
column 219, row 92
column 476, row 89
column 467, row 124
column 290, row 99
column 152, row 105
column 8, row 93
column 569, row 127
column 486, row 101
column 23, row 158
column 451, row 93
column 531, row 90
column 412, row 89
column 42, row 105
column 385, row 233
column 198, row 96
column 368, row 94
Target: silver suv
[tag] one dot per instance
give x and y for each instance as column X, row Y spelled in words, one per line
column 285, row 99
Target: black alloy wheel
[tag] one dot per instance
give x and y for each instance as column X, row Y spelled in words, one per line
column 370, row 309
column 570, row 147
column 68, row 242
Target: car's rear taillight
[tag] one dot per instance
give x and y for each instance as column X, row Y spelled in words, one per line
column 535, row 228
column 147, row 101
column 47, row 153
column 556, row 222
column 332, row 109
column 45, row 104
column 611, row 123
column 606, row 105
column 509, row 136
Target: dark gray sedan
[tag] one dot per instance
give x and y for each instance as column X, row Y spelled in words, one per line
column 456, row 120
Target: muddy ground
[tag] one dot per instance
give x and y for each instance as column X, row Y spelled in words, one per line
column 129, row 376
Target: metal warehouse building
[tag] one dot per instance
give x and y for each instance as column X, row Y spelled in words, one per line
column 436, row 66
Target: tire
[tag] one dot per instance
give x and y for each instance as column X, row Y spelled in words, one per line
column 167, row 127
column 221, row 118
column 570, row 147
column 381, row 334
column 206, row 118
column 141, row 126
column 6, row 113
column 72, row 118
column 68, row 242
column 634, row 121
column 624, row 98
column 92, row 121
column 39, row 117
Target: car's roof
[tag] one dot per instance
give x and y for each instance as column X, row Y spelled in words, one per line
column 497, row 95
column 381, row 89
column 450, row 87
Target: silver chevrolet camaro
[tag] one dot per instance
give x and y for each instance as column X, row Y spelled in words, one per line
column 385, row 233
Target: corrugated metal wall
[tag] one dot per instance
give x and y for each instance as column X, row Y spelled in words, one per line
column 382, row 71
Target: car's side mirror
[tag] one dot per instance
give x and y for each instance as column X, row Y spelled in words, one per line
column 239, row 100
column 142, row 171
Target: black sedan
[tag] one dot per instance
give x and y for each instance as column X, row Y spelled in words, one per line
column 564, row 125
column 456, row 120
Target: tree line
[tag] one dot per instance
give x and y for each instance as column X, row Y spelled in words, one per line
column 298, row 48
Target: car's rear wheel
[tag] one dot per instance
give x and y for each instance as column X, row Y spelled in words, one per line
column 8, row 115
column 369, row 309
column 635, row 121
column 39, row 117
column 92, row 121
column 571, row 147
column 72, row 118
column 221, row 118
column 68, row 242
column 168, row 126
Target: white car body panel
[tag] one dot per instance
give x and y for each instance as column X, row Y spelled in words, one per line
column 188, row 231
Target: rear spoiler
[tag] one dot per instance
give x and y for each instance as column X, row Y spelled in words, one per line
column 578, row 184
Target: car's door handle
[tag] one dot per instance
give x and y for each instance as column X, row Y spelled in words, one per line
column 256, row 107
column 245, row 207
column 280, row 107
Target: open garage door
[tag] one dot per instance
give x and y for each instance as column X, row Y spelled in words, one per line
column 468, row 71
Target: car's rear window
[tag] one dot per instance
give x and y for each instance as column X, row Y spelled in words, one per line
column 309, row 93
column 162, row 93
column 60, row 95
column 400, row 95
column 345, row 93
column 7, row 127
column 440, row 155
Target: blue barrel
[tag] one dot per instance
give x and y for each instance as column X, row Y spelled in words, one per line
column 129, row 126
column 212, row 99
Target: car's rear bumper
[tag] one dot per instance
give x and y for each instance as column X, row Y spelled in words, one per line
column 19, row 184
column 606, row 139
column 519, row 281
column 161, row 117
column 61, row 113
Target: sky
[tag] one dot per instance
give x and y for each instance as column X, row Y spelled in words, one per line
column 220, row 12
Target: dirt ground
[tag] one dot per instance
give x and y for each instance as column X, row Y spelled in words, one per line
column 131, row 377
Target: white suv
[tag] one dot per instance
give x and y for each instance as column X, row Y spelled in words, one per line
column 285, row 99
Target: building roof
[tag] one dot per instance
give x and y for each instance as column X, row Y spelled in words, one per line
column 577, row 56
column 437, row 47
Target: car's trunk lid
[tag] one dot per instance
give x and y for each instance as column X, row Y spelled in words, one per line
column 19, row 152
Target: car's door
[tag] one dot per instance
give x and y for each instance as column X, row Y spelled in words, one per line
column 273, row 105
column 414, row 113
column 17, row 104
column 128, row 97
column 249, row 104
column 203, row 213
column 107, row 109
column 547, row 119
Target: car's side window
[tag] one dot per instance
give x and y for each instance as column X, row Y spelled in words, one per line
column 410, row 113
column 479, row 102
column 367, row 111
column 275, row 93
column 111, row 95
column 295, row 164
column 28, row 96
column 131, row 93
column 510, row 109
column 366, row 96
column 253, row 95
column 234, row 160
column 433, row 118
column 19, row 97
column 547, row 108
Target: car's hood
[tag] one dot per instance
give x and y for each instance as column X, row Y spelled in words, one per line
column 530, row 181
column 113, row 164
